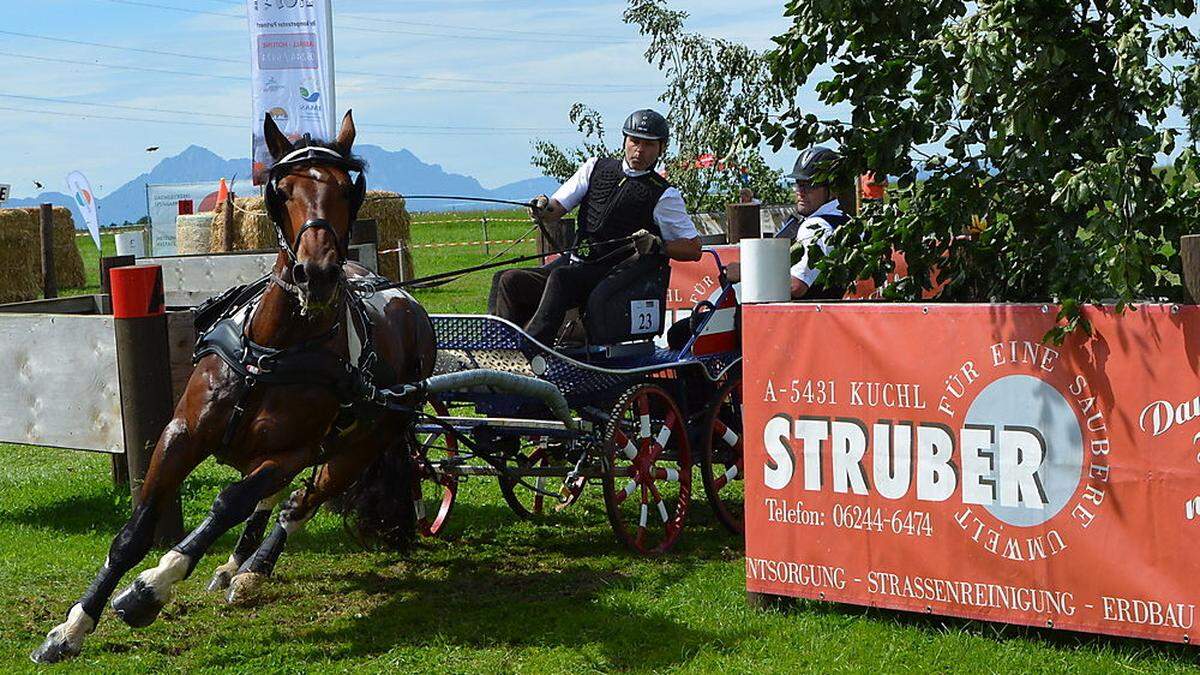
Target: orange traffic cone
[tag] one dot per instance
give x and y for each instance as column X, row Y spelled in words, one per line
column 222, row 192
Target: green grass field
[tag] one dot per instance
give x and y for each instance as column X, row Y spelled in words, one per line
column 498, row 594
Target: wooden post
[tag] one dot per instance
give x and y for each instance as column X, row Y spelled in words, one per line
column 144, row 375
column 1189, row 254
column 227, row 224
column 742, row 221
column 483, row 221
column 49, row 283
column 403, row 261
column 120, row 467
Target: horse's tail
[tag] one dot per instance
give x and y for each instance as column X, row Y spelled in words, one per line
column 377, row 509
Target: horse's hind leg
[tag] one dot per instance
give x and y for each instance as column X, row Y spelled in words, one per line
column 249, row 541
column 174, row 458
column 139, row 604
column 340, row 472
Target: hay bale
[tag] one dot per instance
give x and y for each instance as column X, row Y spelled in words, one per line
column 18, row 245
column 193, row 233
column 391, row 216
column 252, row 229
column 21, row 257
column 68, row 264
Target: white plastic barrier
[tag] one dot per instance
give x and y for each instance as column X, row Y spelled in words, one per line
column 61, row 386
column 189, row 280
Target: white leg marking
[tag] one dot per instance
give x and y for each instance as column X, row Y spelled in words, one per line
column 630, row 488
column 293, row 526
column 419, row 507
column 672, row 475
column 662, row 511
column 171, row 569
column 642, row 517
column 230, row 567
column 629, row 450
column 77, row 625
column 732, row 473
column 645, row 426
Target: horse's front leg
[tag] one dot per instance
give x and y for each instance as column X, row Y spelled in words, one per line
column 249, row 541
column 139, row 604
column 175, row 456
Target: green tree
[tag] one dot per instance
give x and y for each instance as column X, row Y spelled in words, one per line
column 1044, row 117
column 714, row 89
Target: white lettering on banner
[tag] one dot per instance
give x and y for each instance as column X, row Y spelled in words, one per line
column 1149, row 612
column 4, row 191
column 1015, row 460
column 781, row 511
column 797, row 574
column 1162, row 415
column 972, row 593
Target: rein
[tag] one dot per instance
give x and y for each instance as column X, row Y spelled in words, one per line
column 452, row 275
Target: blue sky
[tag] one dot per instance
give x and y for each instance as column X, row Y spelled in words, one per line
column 415, row 56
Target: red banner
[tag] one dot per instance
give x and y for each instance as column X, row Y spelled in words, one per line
column 943, row 460
column 692, row 282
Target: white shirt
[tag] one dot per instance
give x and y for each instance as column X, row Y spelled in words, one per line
column 670, row 214
column 814, row 228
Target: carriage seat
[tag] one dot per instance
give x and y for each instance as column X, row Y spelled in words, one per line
column 630, row 304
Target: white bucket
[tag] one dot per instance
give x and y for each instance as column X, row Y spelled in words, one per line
column 765, row 270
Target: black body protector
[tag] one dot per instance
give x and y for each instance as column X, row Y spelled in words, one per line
column 616, row 206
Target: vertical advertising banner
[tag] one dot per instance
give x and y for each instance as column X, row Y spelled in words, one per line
column 942, row 459
column 79, row 188
column 291, row 48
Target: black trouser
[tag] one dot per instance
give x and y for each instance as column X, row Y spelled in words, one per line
column 538, row 298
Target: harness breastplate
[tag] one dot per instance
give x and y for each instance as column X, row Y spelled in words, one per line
column 617, row 205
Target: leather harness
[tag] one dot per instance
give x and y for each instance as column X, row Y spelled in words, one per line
column 223, row 323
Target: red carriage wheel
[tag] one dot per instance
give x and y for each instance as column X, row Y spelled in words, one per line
column 722, row 465
column 648, row 484
column 434, row 490
column 528, row 503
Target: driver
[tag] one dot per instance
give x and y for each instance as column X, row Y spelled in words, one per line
column 617, row 198
column 818, row 214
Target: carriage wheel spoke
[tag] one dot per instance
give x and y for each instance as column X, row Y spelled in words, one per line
column 627, row 492
column 665, row 473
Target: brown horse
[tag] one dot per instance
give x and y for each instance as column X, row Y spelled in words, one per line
column 271, row 431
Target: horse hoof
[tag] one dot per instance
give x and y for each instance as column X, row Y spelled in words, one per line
column 220, row 581
column 243, row 587
column 137, row 605
column 56, row 648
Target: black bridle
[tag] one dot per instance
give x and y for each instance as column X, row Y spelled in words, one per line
column 274, row 200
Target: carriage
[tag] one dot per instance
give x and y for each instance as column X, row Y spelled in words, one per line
column 643, row 415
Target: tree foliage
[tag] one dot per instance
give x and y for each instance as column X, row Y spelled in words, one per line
column 1048, row 119
column 714, row 89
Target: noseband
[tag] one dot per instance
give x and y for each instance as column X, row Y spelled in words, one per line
column 311, row 154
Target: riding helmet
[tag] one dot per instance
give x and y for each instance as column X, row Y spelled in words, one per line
column 648, row 125
column 812, row 162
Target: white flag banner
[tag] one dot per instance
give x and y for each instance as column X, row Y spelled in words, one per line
column 291, row 47
column 81, row 190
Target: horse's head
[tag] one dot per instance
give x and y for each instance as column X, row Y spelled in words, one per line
column 313, row 201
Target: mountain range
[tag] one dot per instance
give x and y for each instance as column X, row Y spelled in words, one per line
column 397, row 171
